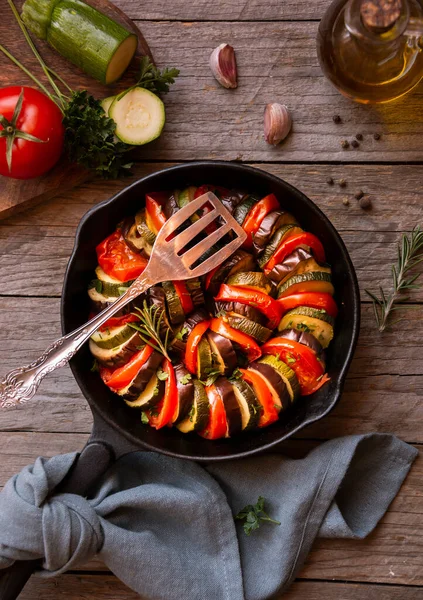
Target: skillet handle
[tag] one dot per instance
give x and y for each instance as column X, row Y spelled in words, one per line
column 91, row 464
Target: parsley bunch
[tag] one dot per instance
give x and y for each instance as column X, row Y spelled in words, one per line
column 254, row 515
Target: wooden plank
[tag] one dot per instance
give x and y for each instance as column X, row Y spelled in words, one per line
column 392, row 554
column 277, row 62
column 236, row 10
column 108, row 587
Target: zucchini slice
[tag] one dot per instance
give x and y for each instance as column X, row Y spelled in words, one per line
column 143, row 229
column 275, row 240
column 116, row 357
column 98, row 300
column 313, row 281
column 110, row 286
column 250, row 407
column 106, row 103
column 112, row 337
column 204, row 359
column 239, row 261
column 150, row 396
column 174, row 306
column 321, row 330
column 139, row 116
column 223, row 353
column 186, row 196
column 252, row 280
column 256, row 331
column 198, row 416
column 244, row 208
column 309, row 265
column 285, row 372
column 316, row 313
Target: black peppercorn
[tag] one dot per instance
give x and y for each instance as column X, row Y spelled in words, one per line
column 376, row 136
column 336, row 119
column 359, row 195
column 359, row 136
column 342, row 183
column 345, row 202
column 345, row 144
column 329, row 181
column 355, row 144
column 365, row 203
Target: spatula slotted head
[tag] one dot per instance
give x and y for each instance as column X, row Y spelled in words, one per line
column 180, row 253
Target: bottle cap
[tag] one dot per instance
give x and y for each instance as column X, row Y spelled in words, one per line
column 380, row 15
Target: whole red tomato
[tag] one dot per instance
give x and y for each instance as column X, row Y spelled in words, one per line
column 34, row 132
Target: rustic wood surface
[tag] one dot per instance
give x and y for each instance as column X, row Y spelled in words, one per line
column 275, row 44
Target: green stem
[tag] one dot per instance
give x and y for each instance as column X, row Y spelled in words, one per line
column 36, row 53
column 25, row 70
column 62, row 81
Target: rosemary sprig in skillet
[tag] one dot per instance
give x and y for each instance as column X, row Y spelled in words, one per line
column 150, row 327
column 410, row 254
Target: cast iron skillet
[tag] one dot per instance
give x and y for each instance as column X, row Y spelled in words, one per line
column 101, row 220
column 117, row 429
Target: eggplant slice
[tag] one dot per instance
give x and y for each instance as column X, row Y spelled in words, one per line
column 223, row 353
column 230, row 402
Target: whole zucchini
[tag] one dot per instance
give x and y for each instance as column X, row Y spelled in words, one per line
column 88, row 38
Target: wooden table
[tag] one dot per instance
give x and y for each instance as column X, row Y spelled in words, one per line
column 275, row 44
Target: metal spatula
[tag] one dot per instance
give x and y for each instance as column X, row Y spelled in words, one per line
column 168, row 261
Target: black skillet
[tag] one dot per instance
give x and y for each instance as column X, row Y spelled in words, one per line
column 117, row 430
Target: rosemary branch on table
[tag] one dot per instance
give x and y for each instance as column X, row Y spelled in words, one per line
column 149, row 327
column 410, row 254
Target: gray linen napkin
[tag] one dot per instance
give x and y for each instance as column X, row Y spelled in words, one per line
column 166, row 527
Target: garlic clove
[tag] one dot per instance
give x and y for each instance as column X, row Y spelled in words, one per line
column 277, row 123
column 223, row 65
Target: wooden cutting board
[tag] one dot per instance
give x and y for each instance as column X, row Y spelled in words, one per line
column 17, row 195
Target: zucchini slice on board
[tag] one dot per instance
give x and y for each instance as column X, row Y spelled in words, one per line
column 313, row 281
column 250, row 407
column 139, row 116
column 88, row 38
column 198, row 415
column 252, row 280
column 321, row 330
column 256, row 331
column 150, row 396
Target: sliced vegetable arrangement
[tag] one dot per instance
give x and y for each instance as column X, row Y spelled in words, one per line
column 230, row 352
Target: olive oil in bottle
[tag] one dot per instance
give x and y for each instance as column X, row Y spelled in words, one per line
column 372, row 50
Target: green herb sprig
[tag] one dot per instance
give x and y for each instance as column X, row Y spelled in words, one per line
column 156, row 80
column 150, row 327
column 254, row 515
column 410, row 254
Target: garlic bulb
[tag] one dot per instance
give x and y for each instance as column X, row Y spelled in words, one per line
column 277, row 123
column 223, row 65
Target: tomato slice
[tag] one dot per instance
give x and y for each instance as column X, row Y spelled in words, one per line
column 119, row 378
column 118, row 321
column 247, row 343
column 311, row 299
column 193, row 340
column 162, row 414
column 291, row 243
column 302, row 360
column 256, row 215
column 260, row 300
column 270, row 413
column 217, row 425
column 184, row 296
column 117, row 259
column 154, row 215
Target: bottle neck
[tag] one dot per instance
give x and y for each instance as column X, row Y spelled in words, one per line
column 372, row 34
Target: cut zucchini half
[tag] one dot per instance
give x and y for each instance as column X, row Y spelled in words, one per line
column 285, row 372
column 113, row 337
column 250, row 407
column 321, row 330
column 313, row 281
column 252, row 280
column 275, row 241
column 139, row 116
column 198, row 416
column 255, row 330
column 174, row 306
column 150, row 396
